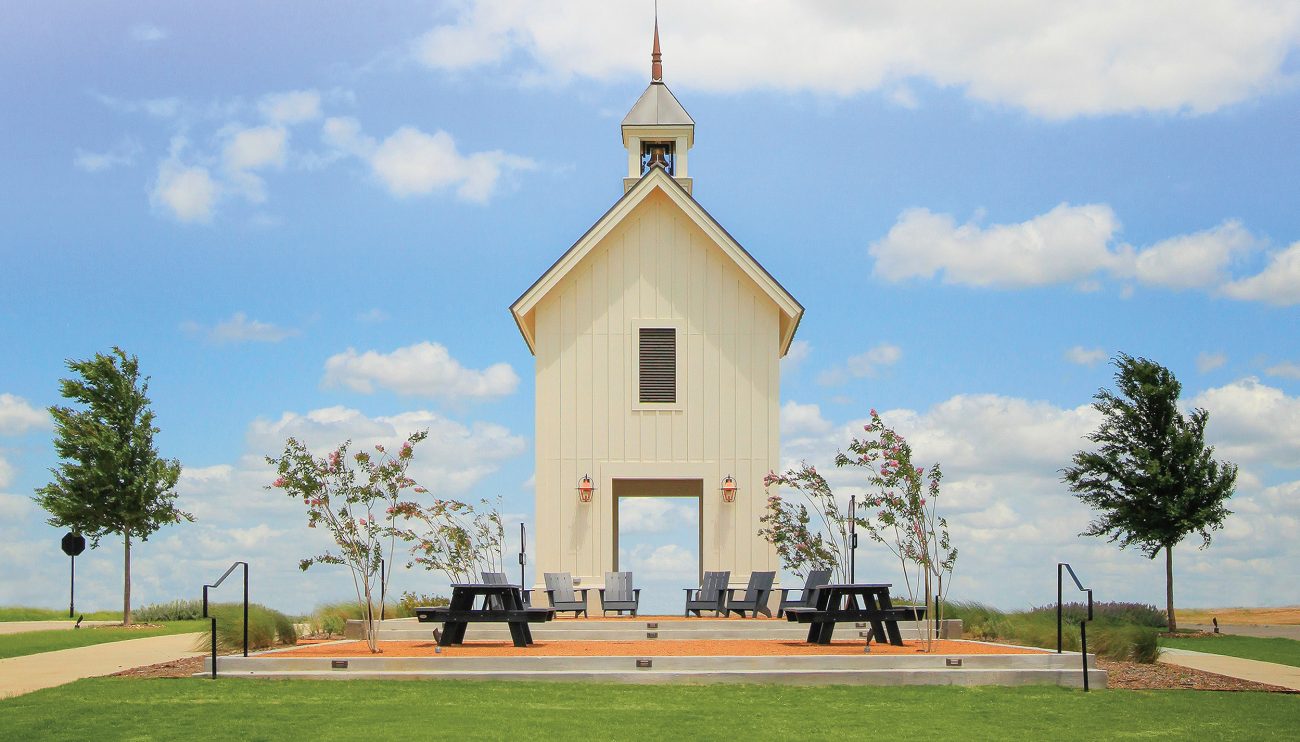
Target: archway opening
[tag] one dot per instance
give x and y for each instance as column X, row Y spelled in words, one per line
column 657, row 537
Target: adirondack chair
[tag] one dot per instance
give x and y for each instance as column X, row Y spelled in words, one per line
column 711, row 595
column 559, row 590
column 807, row 594
column 756, row 595
column 494, row 578
column 618, row 594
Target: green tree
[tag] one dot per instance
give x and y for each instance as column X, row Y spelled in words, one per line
column 1151, row 478
column 110, row 478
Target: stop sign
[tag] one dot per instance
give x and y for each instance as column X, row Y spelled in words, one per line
column 73, row 544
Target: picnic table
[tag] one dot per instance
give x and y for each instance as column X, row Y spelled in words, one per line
column 859, row 603
column 501, row 603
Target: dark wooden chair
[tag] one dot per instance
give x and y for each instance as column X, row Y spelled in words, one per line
column 563, row 597
column 494, row 578
column 807, row 594
column 756, row 595
column 710, row 596
column 618, row 594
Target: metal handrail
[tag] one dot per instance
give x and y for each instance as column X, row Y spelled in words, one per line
column 1083, row 625
column 217, row 584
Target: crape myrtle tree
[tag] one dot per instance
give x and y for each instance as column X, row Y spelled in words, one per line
column 357, row 498
column 1151, row 478
column 110, row 478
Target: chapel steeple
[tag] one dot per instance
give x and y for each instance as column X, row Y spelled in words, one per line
column 657, row 132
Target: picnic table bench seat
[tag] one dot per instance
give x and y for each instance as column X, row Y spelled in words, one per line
column 442, row 614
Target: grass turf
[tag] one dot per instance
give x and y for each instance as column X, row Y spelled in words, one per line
column 121, row 708
column 1281, row 651
column 35, row 642
column 24, row 613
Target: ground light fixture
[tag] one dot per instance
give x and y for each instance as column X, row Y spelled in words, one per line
column 585, row 488
column 728, row 489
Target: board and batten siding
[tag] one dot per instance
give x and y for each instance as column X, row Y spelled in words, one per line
column 655, row 267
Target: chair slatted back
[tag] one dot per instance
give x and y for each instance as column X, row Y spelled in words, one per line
column 561, row 586
column 714, row 582
column 760, row 584
column 618, row 586
column 495, row 578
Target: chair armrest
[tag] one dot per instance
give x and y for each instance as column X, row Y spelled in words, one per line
column 602, row 594
column 636, row 593
column 584, row 590
column 785, row 592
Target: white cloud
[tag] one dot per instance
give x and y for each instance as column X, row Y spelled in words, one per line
column 424, row 369
column 803, row 419
column 122, row 155
column 157, row 107
column 654, row 515
column 240, row 329
column 1066, row 244
column 451, row 461
column 1069, row 244
column 18, row 417
column 147, row 33
column 412, row 163
column 1054, row 60
column 878, row 357
column 13, row 507
column 1207, row 362
column 1196, row 260
column 1253, row 422
column 187, row 192
column 6, row 474
column 293, row 107
column 1285, row 370
column 1277, row 284
column 666, row 562
column 1085, row 356
column 258, row 147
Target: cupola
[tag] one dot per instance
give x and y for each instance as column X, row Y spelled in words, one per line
column 657, row 132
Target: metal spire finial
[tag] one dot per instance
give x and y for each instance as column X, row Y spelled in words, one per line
column 656, row 59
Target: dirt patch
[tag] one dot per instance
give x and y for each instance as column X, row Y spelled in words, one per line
column 1136, row 676
column 1286, row 616
column 642, row 648
column 181, row 668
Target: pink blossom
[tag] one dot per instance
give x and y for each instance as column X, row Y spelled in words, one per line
column 873, row 412
column 279, row 482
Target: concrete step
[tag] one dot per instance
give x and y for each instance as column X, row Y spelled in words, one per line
column 1048, row 669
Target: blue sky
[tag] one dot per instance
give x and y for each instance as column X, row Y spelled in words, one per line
column 311, row 221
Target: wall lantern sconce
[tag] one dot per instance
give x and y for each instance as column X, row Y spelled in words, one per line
column 585, row 489
column 728, row 489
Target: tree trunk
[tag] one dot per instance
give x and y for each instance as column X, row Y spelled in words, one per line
column 126, row 584
column 1169, row 587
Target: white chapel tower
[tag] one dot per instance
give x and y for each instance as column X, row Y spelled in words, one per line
column 657, row 340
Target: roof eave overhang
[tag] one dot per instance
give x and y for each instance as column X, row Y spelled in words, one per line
column 523, row 307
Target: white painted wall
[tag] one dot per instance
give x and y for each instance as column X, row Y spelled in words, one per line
column 656, row 265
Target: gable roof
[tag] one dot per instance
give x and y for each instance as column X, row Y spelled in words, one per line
column 657, row 179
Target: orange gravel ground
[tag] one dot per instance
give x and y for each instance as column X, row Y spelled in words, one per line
column 643, row 648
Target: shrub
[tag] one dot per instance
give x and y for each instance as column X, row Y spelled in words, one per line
column 410, row 601
column 176, row 610
column 266, row 628
column 1119, row 631
column 1139, row 614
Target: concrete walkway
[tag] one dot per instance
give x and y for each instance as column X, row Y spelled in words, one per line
column 20, row 675
column 1234, row 667
column 1265, row 631
column 20, row 627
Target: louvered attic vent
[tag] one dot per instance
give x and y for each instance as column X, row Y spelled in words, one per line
column 658, row 350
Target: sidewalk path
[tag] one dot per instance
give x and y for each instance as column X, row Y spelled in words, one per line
column 1266, row 631
column 21, row 627
column 20, row 675
column 1234, row 667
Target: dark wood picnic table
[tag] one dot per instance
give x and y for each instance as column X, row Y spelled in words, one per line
column 858, row 603
column 501, row 604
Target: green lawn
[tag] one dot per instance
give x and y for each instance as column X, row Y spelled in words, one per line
column 34, row 642
column 23, row 613
column 243, row 709
column 1281, row 651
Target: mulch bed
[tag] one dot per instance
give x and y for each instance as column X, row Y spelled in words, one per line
column 1160, row 676
column 181, row 668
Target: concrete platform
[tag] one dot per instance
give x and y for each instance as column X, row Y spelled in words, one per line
column 595, row 629
column 910, row 669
